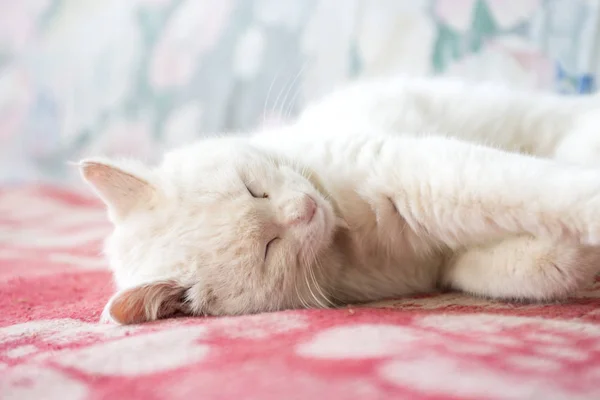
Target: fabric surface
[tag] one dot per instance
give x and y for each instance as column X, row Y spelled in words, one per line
column 132, row 77
column 54, row 284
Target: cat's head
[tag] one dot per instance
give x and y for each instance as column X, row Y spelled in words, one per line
column 219, row 228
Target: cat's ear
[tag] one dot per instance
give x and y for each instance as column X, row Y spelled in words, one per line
column 121, row 189
column 145, row 303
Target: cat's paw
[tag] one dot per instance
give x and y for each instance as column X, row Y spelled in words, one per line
column 381, row 204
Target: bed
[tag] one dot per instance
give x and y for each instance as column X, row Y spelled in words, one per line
column 54, row 284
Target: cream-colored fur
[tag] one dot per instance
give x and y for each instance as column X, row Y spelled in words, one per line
column 379, row 190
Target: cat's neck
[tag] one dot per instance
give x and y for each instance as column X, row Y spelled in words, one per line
column 364, row 263
column 354, row 273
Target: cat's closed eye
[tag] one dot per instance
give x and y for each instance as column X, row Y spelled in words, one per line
column 259, row 195
column 269, row 245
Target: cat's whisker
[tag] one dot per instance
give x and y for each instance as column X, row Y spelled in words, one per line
column 306, row 172
column 324, row 294
column 329, row 294
column 307, row 274
column 302, row 301
column 318, row 288
column 268, row 95
column 289, row 89
column 314, row 296
column 300, row 261
column 276, row 107
column 290, row 107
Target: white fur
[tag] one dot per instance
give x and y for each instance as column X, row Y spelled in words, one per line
column 369, row 197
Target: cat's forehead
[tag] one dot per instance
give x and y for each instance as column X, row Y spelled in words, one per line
column 220, row 166
column 213, row 153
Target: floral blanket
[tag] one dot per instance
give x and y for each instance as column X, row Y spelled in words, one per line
column 54, row 283
column 127, row 78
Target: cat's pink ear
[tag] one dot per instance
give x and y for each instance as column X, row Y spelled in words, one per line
column 121, row 190
column 145, row 303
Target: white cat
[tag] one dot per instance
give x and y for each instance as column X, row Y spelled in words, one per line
column 360, row 200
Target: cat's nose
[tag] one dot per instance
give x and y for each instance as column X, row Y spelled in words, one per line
column 300, row 210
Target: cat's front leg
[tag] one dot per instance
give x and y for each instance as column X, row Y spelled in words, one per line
column 522, row 267
column 462, row 194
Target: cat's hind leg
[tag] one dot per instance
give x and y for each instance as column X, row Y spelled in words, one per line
column 522, row 267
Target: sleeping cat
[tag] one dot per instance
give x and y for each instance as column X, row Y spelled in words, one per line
column 383, row 189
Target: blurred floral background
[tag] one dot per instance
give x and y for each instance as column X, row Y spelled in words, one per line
column 132, row 77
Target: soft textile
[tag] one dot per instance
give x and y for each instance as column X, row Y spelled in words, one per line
column 54, row 283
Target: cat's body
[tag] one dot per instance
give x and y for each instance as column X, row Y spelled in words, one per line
column 385, row 258
column 540, row 124
column 363, row 198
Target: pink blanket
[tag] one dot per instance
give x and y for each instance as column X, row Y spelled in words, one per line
column 54, row 283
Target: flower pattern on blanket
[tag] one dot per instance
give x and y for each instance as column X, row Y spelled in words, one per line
column 170, row 70
column 445, row 346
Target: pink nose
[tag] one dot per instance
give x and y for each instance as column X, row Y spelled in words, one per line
column 300, row 210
